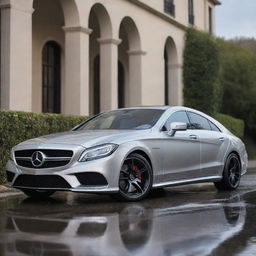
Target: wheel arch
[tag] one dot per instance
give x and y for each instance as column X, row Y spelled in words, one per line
column 144, row 154
column 237, row 154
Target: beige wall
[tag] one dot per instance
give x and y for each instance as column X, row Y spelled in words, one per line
column 181, row 11
column 144, row 34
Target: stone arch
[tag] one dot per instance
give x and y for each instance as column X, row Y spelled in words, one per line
column 71, row 13
column 103, row 18
column 132, row 32
column 171, row 73
column 130, row 55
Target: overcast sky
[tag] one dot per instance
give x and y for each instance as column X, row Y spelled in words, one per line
column 235, row 18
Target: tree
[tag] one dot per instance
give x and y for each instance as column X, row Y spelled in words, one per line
column 201, row 72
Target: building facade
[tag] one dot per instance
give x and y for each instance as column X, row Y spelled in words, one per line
column 85, row 56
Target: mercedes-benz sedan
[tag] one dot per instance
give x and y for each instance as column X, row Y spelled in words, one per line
column 127, row 152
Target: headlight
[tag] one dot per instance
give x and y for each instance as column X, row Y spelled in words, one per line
column 98, row 152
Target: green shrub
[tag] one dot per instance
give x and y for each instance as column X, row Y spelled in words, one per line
column 236, row 126
column 238, row 79
column 201, row 72
column 16, row 127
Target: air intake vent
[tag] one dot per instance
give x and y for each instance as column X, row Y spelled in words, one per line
column 91, row 179
column 41, row 181
column 10, row 176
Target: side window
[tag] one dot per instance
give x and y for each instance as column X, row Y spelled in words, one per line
column 180, row 116
column 214, row 127
column 199, row 122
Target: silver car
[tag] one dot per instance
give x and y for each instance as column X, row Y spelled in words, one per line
column 128, row 152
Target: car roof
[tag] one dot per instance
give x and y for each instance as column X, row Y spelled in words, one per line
column 161, row 108
column 148, row 107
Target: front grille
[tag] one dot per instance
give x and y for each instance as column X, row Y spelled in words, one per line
column 41, row 181
column 10, row 176
column 51, row 158
column 40, row 226
column 25, row 247
column 91, row 179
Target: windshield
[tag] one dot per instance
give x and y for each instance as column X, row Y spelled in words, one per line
column 126, row 119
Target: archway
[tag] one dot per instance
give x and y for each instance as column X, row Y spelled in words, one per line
column 170, row 71
column 48, row 19
column 130, row 54
column 99, row 22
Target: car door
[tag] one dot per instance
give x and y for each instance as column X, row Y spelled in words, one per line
column 213, row 144
column 181, row 152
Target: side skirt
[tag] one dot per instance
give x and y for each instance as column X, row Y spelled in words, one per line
column 189, row 181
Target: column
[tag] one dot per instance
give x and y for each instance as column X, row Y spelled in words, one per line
column 16, row 58
column 135, row 77
column 76, row 84
column 108, row 73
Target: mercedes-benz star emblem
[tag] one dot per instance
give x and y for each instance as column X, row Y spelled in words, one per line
column 38, row 158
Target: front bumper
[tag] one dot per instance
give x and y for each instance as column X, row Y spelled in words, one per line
column 108, row 167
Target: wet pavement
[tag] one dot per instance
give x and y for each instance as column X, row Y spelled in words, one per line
column 188, row 220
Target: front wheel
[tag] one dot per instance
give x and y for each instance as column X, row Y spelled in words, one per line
column 231, row 174
column 38, row 194
column 135, row 180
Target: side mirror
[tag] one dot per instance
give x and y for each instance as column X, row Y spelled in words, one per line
column 177, row 126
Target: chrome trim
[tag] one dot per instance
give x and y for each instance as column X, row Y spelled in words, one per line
column 50, row 159
column 24, row 158
column 102, row 189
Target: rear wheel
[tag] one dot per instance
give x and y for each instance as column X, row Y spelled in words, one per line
column 231, row 174
column 38, row 194
column 135, row 180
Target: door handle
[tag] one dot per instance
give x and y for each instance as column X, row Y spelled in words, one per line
column 193, row 137
column 221, row 139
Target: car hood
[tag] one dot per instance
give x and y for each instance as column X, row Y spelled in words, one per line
column 87, row 138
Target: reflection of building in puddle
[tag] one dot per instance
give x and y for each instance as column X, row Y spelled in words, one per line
column 190, row 229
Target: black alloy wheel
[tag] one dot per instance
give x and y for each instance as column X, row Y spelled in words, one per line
column 38, row 194
column 231, row 174
column 135, row 180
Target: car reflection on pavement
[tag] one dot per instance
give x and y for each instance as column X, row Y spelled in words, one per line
column 123, row 229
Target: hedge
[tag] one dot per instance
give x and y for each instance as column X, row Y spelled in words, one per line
column 201, row 67
column 238, row 79
column 16, row 127
column 236, row 126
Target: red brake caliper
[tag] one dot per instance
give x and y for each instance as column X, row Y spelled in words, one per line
column 138, row 173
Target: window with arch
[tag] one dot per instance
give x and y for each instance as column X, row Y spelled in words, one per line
column 51, row 77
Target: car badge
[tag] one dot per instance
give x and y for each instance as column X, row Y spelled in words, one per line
column 38, row 159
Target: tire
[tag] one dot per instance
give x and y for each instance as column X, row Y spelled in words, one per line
column 38, row 194
column 135, row 179
column 231, row 174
